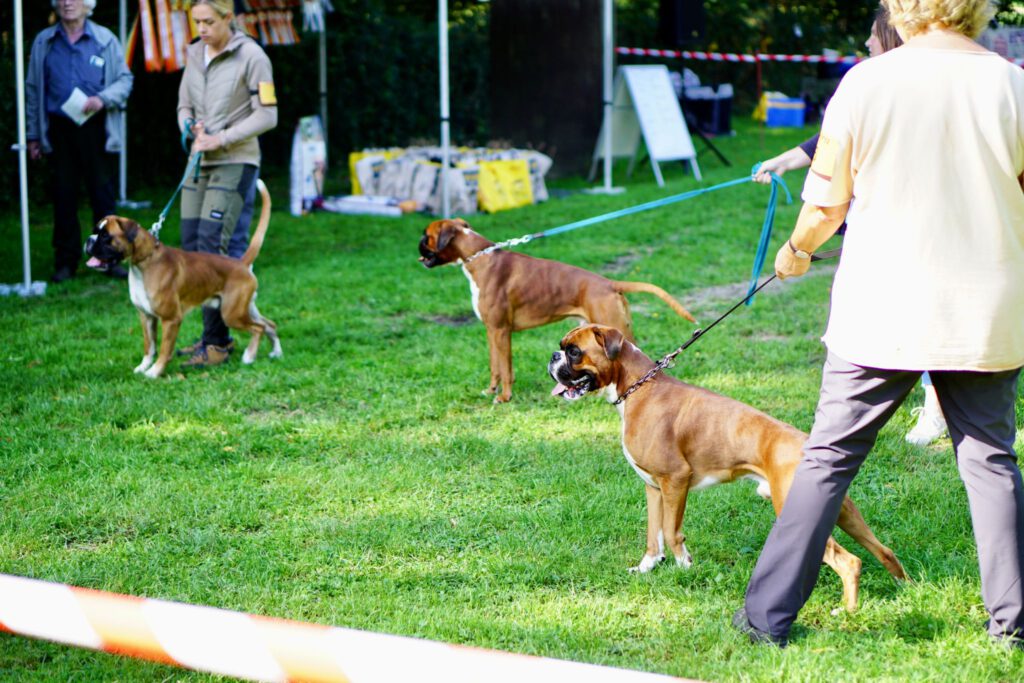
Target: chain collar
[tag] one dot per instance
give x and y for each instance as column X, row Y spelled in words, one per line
column 500, row 245
column 658, row 367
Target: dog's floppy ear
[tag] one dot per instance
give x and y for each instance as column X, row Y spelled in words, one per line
column 611, row 340
column 443, row 238
column 130, row 229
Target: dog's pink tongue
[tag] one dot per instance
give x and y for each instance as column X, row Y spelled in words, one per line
column 559, row 390
column 94, row 262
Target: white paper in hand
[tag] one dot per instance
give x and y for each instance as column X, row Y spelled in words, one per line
column 73, row 107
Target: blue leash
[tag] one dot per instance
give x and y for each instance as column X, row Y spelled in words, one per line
column 769, row 217
column 190, row 167
column 766, row 230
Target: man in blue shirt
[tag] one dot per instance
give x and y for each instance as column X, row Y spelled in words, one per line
column 76, row 70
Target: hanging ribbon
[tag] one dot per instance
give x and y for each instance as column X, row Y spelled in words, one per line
column 179, row 38
column 131, row 42
column 163, row 31
column 150, row 47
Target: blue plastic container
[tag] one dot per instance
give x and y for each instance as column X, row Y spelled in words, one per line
column 785, row 111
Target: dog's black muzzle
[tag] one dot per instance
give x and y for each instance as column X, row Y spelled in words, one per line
column 100, row 246
column 427, row 257
column 571, row 384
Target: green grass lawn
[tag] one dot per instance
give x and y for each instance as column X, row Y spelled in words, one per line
column 364, row 481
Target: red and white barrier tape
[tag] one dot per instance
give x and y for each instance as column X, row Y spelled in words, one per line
column 262, row 648
column 733, row 57
column 759, row 57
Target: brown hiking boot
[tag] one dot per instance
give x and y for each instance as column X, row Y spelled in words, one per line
column 194, row 347
column 208, row 356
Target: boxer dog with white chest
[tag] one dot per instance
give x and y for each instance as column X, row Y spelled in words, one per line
column 165, row 283
column 681, row 438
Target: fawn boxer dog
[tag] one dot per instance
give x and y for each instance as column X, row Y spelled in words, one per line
column 165, row 283
column 681, row 438
column 513, row 292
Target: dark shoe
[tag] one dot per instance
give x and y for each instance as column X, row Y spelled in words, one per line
column 1009, row 640
column 756, row 635
column 62, row 274
column 208, row 356
column 194, row 347
column 116, row 271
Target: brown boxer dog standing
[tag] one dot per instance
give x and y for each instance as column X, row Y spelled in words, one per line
column 513, row 292
column 681, row 438
column 166, row 283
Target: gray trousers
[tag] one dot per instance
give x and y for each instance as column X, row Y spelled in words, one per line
column 855, row 403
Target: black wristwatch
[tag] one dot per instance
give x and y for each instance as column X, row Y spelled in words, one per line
column 799, row 253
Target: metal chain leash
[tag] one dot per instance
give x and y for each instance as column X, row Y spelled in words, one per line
column 697, row 334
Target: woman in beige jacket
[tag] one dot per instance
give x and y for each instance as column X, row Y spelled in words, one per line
column 225, row 101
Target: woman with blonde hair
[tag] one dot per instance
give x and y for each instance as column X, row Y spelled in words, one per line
column 929, row 141
column 225, row 101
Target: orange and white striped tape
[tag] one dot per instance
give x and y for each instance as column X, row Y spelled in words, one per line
column 265, row 649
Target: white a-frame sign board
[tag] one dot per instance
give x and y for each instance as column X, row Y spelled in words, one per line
column 645, row 105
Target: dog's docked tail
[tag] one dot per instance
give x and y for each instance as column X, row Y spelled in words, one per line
column 261, row 228
column 624, row 287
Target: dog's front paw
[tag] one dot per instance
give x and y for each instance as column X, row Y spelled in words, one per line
column 647, row 564
column 143, row 366
column 684, row 559
column 247, row 358
column 153, row 372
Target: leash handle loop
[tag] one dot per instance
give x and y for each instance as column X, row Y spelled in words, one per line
column 186, row 133
column 766, row 228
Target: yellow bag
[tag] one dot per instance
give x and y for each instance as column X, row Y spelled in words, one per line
column 504, row 185
column 353, row 157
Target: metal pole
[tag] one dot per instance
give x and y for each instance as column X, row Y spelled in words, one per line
column 122, row 32
column 608, row 95
column 323, row 79
column 442, row 34
column 606, row 28
column 19, row 78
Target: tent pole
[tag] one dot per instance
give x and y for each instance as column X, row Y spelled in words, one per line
column 442, row 34
column 122, row 184
column 323, row 80
column 19, row 77
column 606, row 30
column 608, row 95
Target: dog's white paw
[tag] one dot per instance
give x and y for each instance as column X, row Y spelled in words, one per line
column 153, row 372
column 647, row 564
column 685, row 559
column 277, row 352
column 248, row 358
column 143, row 366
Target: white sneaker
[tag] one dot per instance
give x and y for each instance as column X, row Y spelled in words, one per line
column 930, row 426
